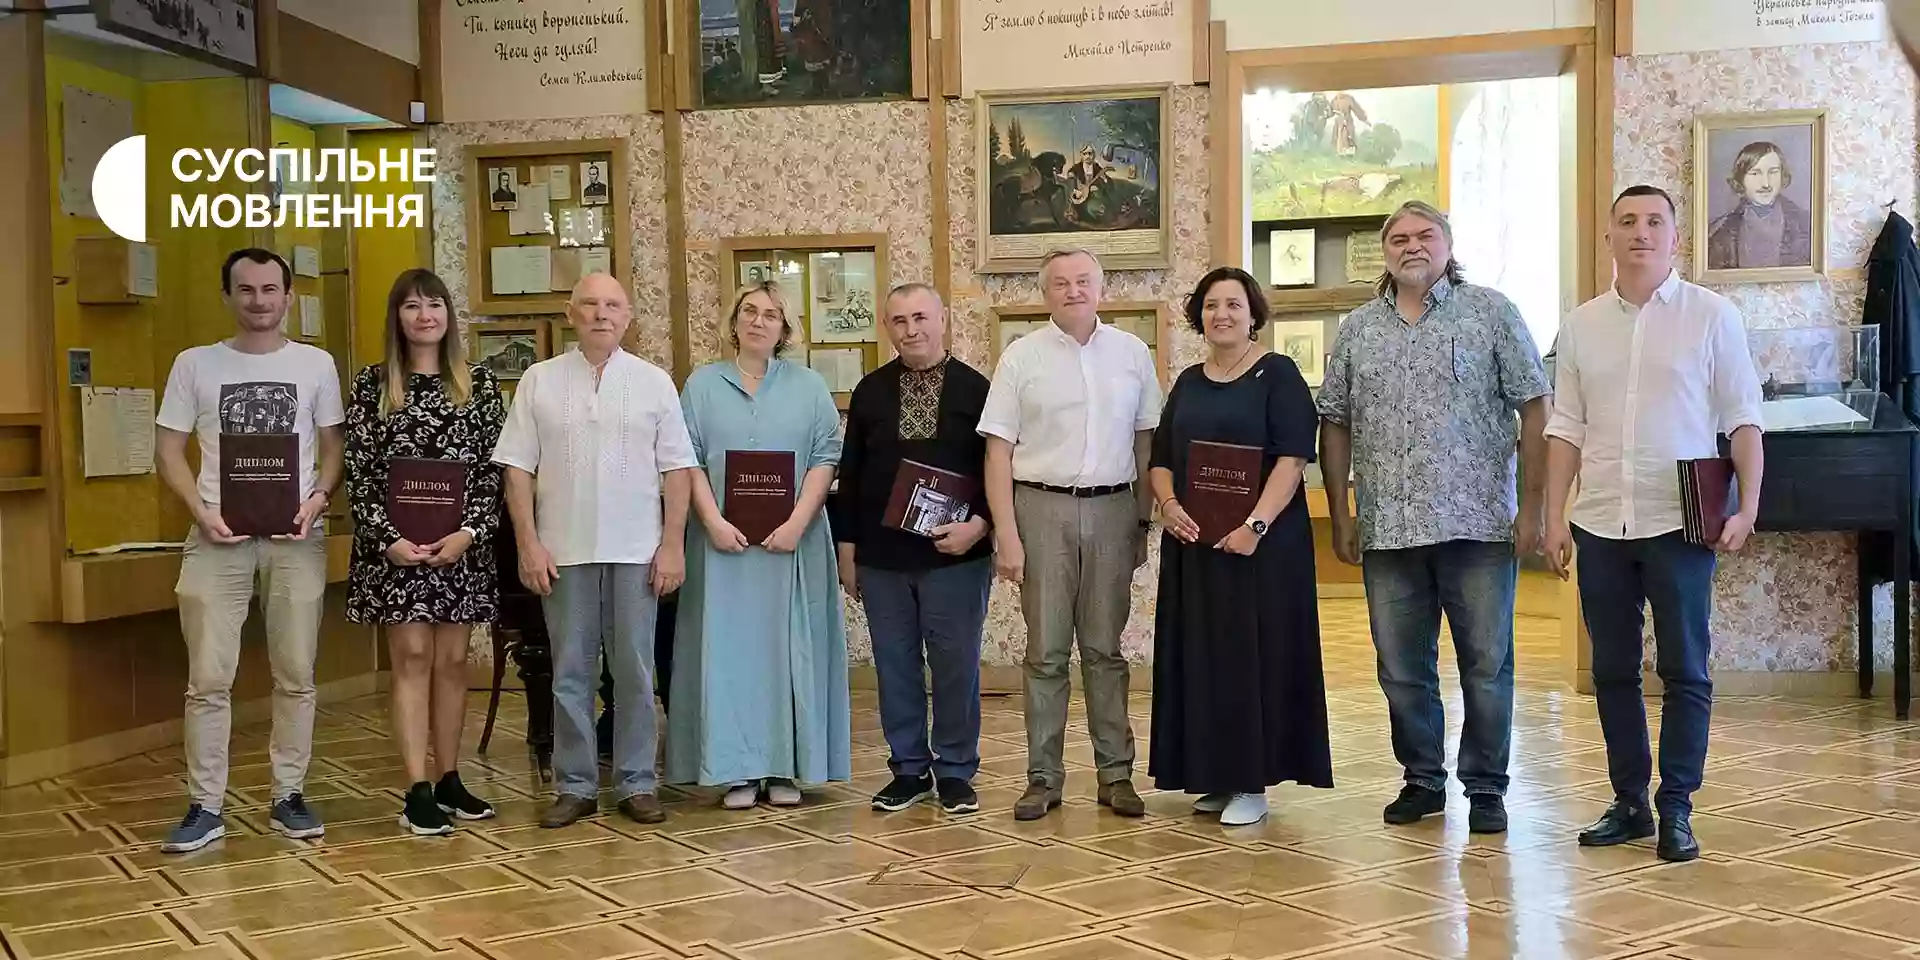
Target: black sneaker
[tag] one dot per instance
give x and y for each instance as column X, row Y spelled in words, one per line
column 422, row 815
column 452, row 797
column 1486, row 813
column 904, row 792
column 1414, row 803
column 957, row 796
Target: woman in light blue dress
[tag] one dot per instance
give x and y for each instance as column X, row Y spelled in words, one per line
column 759, row 689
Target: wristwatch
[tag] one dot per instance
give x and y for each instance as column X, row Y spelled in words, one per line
column 1257, row 525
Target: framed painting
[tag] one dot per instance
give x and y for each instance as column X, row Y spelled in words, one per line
column 1760, row 197
column 507, row 349
column 1082, row 169
column 1345, row 153
column 787, row 52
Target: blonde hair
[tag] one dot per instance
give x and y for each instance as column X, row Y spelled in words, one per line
column 772, row 290
column 455, row 375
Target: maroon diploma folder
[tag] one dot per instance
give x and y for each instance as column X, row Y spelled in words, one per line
column 925, row 498
column 260, row 483
column 1706, row 499
column 426, row 498
column 760, row 491
column 1223, row 484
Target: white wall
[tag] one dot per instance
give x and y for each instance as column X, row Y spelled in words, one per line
column 1253, row 24
column 389, row 26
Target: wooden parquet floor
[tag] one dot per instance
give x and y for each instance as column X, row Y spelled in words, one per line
column 1810, row 821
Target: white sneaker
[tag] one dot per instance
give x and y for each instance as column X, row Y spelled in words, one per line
column 1212, row 803
column 1244, row 809
column 742, row 796
column 782, row 793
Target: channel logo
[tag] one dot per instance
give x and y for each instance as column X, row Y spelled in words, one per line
column 286, row 193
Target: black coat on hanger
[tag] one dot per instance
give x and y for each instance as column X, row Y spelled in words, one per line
column 1893, row 302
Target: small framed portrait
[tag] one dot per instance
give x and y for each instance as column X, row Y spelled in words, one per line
column 755, row 272
column 503, row 188
column 1760, row 197
column 1290, row 260
column 593, row 182
column 1305, row 343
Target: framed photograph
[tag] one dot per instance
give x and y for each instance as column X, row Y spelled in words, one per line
column 755, row 272
column 1290, row 262
column 507, row 349
column 221, row 32
column 1305, row 343
column 1347, row 153
column 786, row 52
column 1082, row 169
column 594, row 183
column 1760, row 197
column 503, row 188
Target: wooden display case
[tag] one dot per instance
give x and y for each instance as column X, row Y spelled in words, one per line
column 835, row 286
column 1151, row 322
column 575, row 230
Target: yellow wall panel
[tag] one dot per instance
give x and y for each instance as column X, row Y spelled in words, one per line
column 380, row 253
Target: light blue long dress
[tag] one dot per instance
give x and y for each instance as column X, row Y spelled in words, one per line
column 760, row 646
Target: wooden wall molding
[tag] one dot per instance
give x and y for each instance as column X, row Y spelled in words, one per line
column 430, row 58
column 346, row 71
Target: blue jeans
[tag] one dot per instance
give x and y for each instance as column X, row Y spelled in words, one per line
column 1618, row 578
column 929, row 622
column 1473, row 583
column 610, row 605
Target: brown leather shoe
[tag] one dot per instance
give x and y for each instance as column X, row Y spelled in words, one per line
column 1036, row 802
column 643, row 808
column 568, row 810
column 1121, row 797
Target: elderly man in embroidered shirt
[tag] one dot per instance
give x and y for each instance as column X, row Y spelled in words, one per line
column 1420, row 401
column 1650, row 373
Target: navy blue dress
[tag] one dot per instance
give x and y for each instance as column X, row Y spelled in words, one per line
column 1239, row 700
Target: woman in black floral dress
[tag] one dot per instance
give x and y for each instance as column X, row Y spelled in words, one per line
column 426, row 402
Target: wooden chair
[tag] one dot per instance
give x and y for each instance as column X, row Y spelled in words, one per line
column 520, row 633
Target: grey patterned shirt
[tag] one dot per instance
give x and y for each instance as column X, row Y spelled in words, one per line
column 1432, row 409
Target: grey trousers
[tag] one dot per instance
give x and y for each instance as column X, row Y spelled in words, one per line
column 1078, row 583
column 594, row 604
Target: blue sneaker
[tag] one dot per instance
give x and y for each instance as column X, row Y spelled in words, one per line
column 198, row 829
column 294, row 818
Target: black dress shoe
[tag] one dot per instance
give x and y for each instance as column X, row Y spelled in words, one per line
column 1622, row 823
column 1676, row 840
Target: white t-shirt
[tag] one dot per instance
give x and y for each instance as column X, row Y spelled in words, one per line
column 1071, row 411
column 596, row 456
column 216, row 389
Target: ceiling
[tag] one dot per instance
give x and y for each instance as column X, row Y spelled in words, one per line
column 296, row 104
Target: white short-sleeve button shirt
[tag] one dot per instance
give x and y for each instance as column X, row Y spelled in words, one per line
column 1070, row 410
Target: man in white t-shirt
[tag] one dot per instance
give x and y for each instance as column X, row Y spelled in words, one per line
column 256, row 382
column 1068, row 422
column 598, row 462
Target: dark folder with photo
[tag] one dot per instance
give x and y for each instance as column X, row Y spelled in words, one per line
column 760, row 491
column 925, row 498
column 260, row 483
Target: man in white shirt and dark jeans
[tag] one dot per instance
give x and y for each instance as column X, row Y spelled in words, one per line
column 256, row 382
column 1648, row 374
column 1069, row 420
column 595, row 438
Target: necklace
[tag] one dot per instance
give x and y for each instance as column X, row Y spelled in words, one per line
column 744, row 373
column 1236, row 363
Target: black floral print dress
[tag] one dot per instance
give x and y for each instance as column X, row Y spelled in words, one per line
column 429, row 426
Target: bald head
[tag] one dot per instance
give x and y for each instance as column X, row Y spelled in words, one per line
column 600, row 314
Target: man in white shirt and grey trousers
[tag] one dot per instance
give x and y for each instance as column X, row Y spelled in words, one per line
column 1649, row 373
column 1068, row 421
column 597, row 459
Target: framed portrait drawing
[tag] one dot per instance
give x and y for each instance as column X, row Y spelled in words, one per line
column 1760, row 197
column 1080, row 169
column 1290, row 262
column 503, row 189
column 1305, row 343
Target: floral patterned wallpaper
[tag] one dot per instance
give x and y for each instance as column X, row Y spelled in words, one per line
column 1786, row 603
column 646, row 227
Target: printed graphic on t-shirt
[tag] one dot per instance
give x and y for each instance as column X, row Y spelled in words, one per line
column 258, row 407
